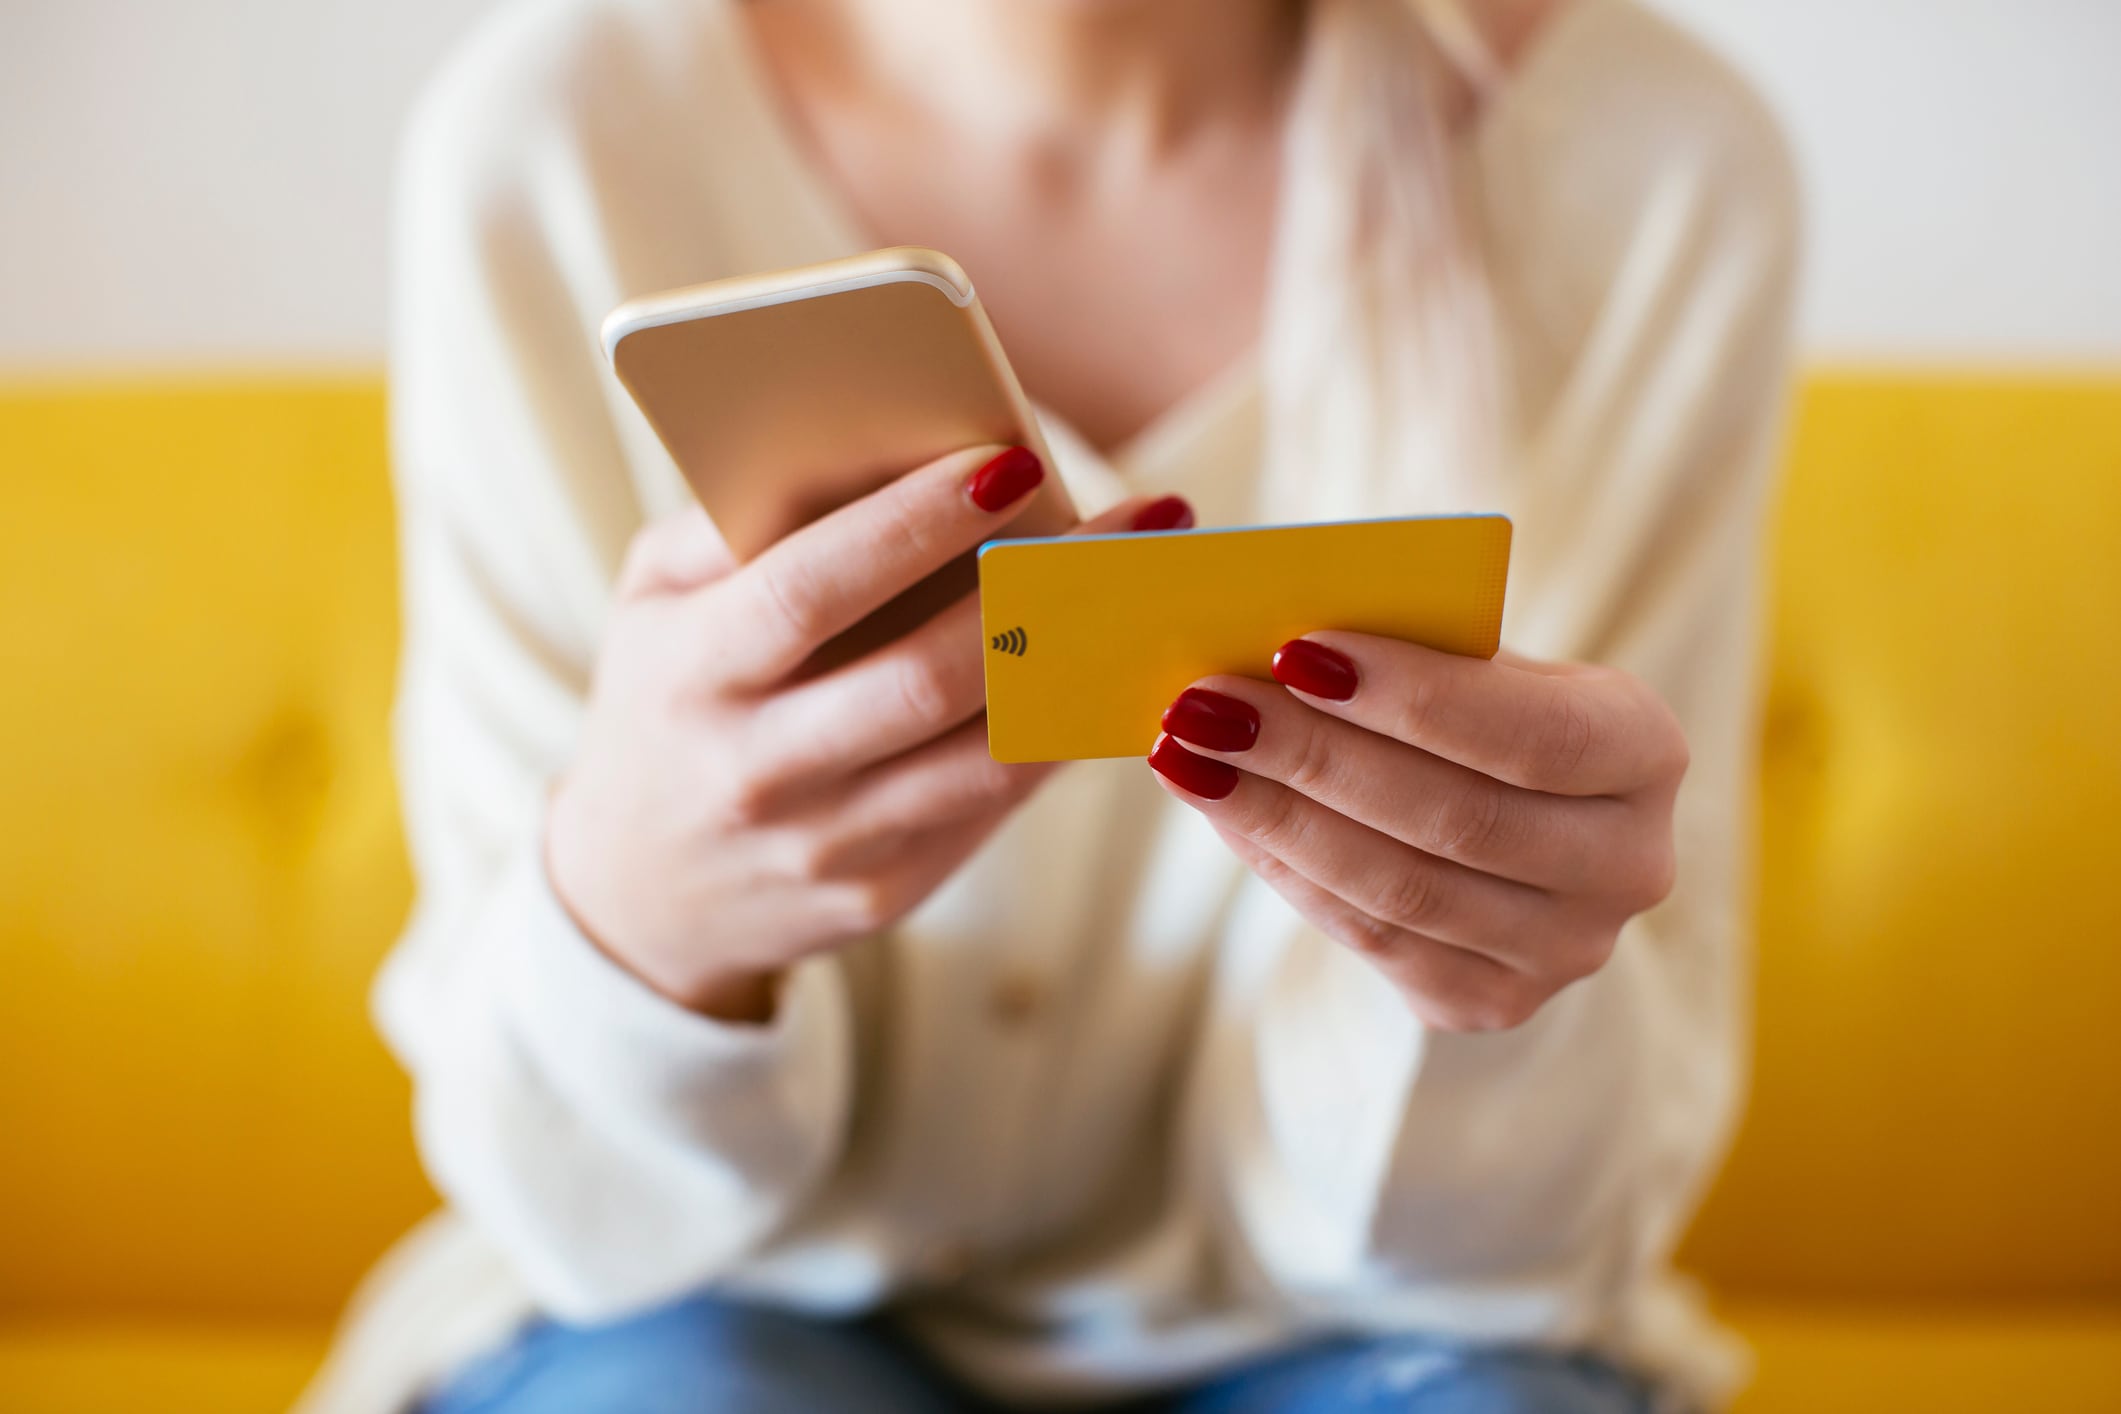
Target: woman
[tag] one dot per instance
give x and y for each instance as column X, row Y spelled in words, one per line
column 1370, row 1045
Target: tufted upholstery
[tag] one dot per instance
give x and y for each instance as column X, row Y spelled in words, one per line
column 201, row 1144
column 1937, row 1108
column 1923, row 1210
column 199, row 866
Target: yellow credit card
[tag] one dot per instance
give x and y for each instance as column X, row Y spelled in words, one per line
column 1089, row 637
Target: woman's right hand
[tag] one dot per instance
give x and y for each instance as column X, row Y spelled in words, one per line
column 720, row 821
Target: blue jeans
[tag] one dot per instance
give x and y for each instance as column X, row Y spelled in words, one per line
column 704, row 1356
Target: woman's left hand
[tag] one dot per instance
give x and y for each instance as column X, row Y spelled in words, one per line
column 1480, row 830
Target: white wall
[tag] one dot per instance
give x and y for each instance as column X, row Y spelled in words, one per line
column 202, row 180
column 1964, row 164
column 205, row 180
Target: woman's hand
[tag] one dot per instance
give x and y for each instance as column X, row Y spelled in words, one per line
column 722, row 821
column 1479, row 830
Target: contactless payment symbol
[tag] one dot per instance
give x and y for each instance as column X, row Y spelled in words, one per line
column 1012, row 642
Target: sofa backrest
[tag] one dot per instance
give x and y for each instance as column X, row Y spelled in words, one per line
column 1936, row 1109
column 200, row 864
column 199, row 853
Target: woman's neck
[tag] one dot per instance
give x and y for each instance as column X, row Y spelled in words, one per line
column 1062, row 76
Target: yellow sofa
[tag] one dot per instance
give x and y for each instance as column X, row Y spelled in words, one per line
column 201, row 1144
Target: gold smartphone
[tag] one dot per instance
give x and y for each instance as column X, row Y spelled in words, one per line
column 784, row 396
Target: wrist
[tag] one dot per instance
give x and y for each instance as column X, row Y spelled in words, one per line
column 744, row 996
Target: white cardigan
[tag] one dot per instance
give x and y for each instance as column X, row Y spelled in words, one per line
column 1102, row 1111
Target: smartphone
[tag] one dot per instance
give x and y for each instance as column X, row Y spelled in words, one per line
column 784, row 396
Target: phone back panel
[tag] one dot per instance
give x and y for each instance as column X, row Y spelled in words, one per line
column 780, row 403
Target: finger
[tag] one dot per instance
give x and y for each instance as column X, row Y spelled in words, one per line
column 775, row 611
column 680, row 552
column 944, row 783
column 1415, row 797
column 1577, row 732
column 889, row 700
column 913, row 870
column 1386, row 880
column 1447, row 987
column 949, row 779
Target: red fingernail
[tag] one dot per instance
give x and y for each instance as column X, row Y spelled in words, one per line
column 1201, row 775
column 1164, row 513
column 1316, row 669
column 1215, row 720
column 1005, row 480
